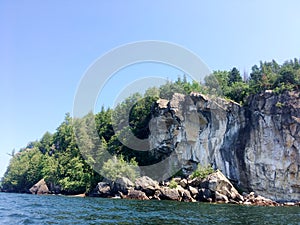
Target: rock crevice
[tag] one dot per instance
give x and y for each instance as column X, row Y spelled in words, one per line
column 256, row 145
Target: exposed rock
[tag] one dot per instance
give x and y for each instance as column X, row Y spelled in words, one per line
column 194, row 191
column 205, row 195
column 185, row 195
column 80, row 195
column 54, row 188
column 162, row 103
column 214, row 188
column 102, row 190
column 196, row 182
column 167, row 193
column 122, row 184
column 183, row 183
column 289, row 204
column 39, row 188
column 220, row 197
column 135, row 194
column 253, row 199
column 156, row 195
column 147, row 185
column 177, row 179
column 219, row 184
column 257, row 146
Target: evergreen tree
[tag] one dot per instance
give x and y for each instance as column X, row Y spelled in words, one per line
column 234, row 76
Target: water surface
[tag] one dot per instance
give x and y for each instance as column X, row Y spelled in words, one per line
column 33, row 209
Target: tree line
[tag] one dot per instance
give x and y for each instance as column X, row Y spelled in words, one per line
column 57, row 157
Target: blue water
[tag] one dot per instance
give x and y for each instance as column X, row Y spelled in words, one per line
column 33, row 209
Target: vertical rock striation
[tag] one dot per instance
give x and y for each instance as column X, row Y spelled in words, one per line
column 273, row 150
column 257, row 145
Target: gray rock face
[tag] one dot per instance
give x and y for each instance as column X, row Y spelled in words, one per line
column 272, row 154
column 257, row 146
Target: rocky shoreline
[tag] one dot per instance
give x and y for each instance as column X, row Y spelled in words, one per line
column 215, row 188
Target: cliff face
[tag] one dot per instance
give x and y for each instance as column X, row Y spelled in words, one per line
column 257, row 146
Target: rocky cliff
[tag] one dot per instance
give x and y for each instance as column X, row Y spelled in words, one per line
column 256, row 145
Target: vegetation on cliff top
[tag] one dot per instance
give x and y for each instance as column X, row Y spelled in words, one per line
column 57, row 158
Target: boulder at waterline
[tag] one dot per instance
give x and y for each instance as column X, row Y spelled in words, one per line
column 147, row 185
column 39, row 188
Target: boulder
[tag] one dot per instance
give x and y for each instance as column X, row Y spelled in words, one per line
column 217, row 182
column 155, row 196
column 122, row 184
column 135, row 194
column 167, row 193
column 39, row 188
column 253, row 199
column 205, row 195
column 194, row 191
column 183, row 183
column 221, row 198
column 102, row 190
column 147, row 185
column 195, row 182
column 185, row 195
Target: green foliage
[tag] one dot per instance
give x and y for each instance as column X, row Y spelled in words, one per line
column 152, row 92
column 202, row 171
column 217, row 82
column 266, row 76
column 237, row 92
column 271, row 76
column 61, row 159
column 282, row 88
column 140, row 116
column 24, row 170
column 117, row 167
column 173, row 184
column 45, row 144
column 279, row 104
column 75, row 178
column 234, row 76
column 181, row 86
column 55, row 158
column 103, row 121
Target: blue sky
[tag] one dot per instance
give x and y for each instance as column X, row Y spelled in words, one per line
column 47, row 46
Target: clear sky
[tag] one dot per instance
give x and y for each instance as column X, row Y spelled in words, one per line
column 46, row 46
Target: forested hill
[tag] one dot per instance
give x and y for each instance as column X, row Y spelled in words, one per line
column 57, row 158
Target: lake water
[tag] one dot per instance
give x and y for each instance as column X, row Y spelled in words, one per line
column 33, row 209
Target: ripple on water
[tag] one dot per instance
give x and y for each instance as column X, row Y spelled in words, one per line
column 30, row 209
